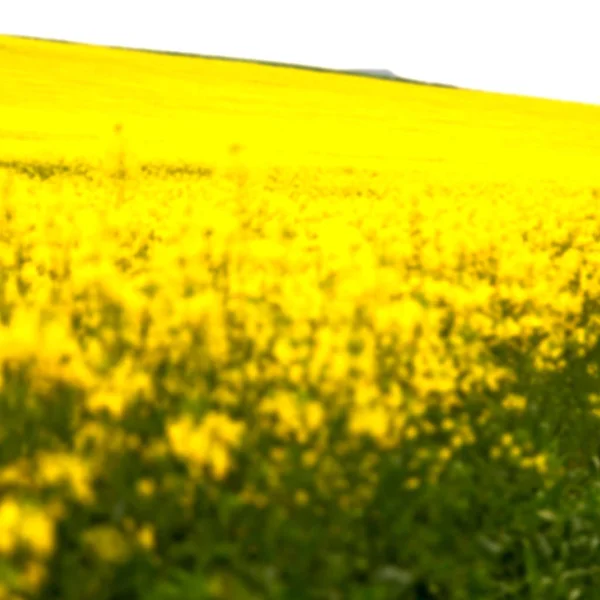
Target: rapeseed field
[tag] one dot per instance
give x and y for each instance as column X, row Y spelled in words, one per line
column 270, row 333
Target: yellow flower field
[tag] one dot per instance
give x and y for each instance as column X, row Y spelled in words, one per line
column 272, row 333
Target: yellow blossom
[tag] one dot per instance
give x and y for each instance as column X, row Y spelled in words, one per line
column 146, row 537
column 514, row 402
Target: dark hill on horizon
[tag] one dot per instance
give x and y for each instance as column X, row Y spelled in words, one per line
column 387, row 74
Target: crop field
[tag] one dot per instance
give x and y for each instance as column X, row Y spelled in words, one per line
column 269, row 333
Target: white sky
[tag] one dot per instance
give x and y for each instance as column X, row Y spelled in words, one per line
column 546, row 48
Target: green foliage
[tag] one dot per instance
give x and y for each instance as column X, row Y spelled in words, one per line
column 486, row 529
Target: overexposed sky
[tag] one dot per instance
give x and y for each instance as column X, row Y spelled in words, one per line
column 548, row 48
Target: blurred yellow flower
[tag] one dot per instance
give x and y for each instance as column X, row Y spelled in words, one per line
column 37, row 531
column 146, row 538
column 145, row 487
column 301, row 497
column 514, row 402
column 107, row 543
column 412, row 483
